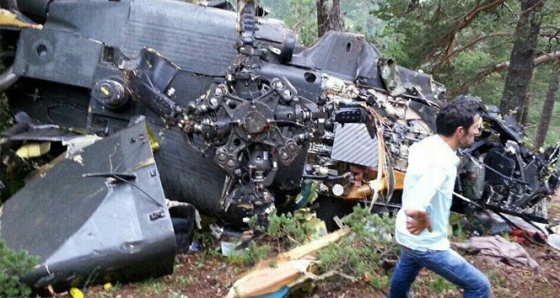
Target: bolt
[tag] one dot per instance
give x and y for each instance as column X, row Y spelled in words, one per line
column 284, row 156
column 231, row 163
column 287, row 93
column 213, row 101
column 279, row 85
column 218, row 92
column 222, row 156
column 202, row 108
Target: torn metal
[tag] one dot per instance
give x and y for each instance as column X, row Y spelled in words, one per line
column 98, row 219
column 243, row 121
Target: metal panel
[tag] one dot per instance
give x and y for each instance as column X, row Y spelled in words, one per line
column 46, row 133
column 188, row 175
column 98, row 215
column 100, row 20
column 57, row 56
column 339, row 53
column 197, row 38
column 353, row 144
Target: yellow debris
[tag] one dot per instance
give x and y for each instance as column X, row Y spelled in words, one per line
column 33, row 150
column 107, row 287
column 76, row 293
column 154, row 144
column 8, row 18
column 289, row 267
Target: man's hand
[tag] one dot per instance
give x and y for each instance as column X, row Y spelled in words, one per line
column 417, row 221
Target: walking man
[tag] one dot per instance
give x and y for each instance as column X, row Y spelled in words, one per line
column 421, row 224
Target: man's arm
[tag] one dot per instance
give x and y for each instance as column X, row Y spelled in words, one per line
column 418, row 204
column 417, row 221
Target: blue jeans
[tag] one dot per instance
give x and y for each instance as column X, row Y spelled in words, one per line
column 447, row 263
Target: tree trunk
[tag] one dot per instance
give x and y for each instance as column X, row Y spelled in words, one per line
column 521, row 63
column 548, row 107
column 328, row 16
column 526, row 108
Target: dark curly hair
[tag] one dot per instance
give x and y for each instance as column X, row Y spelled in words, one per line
column 455, row 114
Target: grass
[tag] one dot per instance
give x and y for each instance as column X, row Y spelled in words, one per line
column 152, row 286
column 441, row 285
column 186, row 279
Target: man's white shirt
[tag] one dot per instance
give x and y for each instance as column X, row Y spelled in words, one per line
column 428, row 186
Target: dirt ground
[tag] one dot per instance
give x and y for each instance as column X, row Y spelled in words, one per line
column 206, row 273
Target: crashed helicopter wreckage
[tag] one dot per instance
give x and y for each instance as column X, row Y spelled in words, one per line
column 244, row 121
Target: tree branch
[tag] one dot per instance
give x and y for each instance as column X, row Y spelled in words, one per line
column 469, row 45
column 466, row 20
column 532, row 7
column 544, row 27
column 480, row 76
column 552, row 36
column 546, row 58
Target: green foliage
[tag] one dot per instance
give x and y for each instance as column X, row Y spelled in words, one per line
column 285, row 231
column 441, row 285
column 422, row 35
column 250, row 256
column 5, row 117
column 14, row 264
column 204, row 237
column 470, row 62
column 411, row 25
column 289, row 231
column 152, row 286
column 539, row 89
column 364, row 252
column 358, row 19
column 444, row 39
column 427, row 33
column 14, row 169
column 299, row 15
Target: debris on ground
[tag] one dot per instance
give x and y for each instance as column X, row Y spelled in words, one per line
column 278, row 273
column 499, row 249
